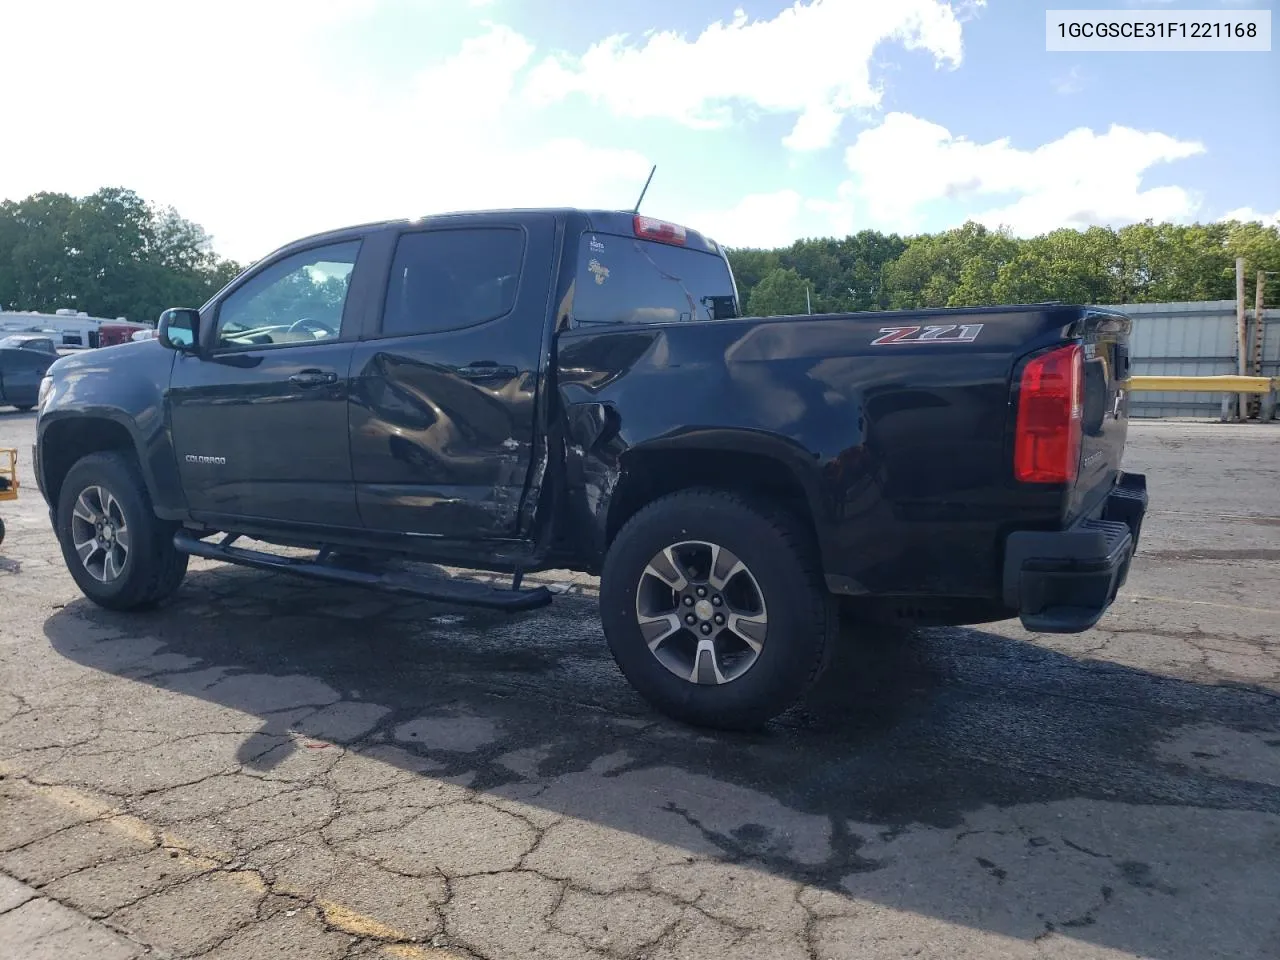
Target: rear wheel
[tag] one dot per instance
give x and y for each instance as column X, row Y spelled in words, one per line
column 120, row 554
column 715, row 609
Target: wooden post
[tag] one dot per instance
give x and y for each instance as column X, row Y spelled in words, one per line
column 1258, row 323
column 1242, row 334
column 1259, row 329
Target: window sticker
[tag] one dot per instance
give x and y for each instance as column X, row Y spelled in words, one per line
column 599, row 271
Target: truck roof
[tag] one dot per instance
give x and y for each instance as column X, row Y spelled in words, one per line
column 603, row 221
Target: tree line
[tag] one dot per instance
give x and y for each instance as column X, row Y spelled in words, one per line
column 110, row 254
column 113, row 254
column 976, row 266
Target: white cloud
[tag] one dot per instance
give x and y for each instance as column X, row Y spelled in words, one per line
column 1069, row 83
column 812, row 60
column 906, row 164
column 1250, row 215
column 260, row 135
column 757, row 220
column 267, row 134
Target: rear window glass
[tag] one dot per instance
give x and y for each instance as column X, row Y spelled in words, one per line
column 627, row 280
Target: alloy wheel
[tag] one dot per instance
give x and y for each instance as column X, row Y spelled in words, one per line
column 701, row 612
column 100, row 533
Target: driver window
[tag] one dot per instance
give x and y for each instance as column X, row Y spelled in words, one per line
column 295, row 300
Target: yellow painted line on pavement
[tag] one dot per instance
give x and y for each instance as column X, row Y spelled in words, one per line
column 95, row 809
column 410, row 951
column 357, row 924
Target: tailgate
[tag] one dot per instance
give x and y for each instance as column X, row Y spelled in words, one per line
column 1106, row 408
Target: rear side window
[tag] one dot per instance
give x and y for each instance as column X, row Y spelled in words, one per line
column 627, row 280
column 35, row 344
column 446, row 279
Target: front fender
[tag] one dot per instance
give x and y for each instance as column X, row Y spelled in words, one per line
column 123, row 386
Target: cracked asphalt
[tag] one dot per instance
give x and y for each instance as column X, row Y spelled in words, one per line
column 270, row 767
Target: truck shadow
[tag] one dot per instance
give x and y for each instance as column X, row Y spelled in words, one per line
column 908, row 752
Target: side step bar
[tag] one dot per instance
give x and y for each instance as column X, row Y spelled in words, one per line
column 465, row 592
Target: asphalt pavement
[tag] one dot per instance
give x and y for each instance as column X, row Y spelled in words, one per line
column 267, row 767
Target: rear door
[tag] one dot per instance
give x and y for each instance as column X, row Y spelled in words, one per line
column 1106, row 407
column 445, row 389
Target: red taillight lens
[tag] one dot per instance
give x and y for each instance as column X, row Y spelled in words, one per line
column 649, row 229
column 1050, row 410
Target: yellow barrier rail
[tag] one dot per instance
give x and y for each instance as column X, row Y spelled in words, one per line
column 8, row 479
column 1222, row 384
column 1231, row 386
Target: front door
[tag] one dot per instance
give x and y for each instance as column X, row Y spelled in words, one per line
column 260, row 424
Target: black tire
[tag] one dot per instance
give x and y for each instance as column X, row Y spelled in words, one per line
column 1, row 531
column 782, row 560
column 153, row 569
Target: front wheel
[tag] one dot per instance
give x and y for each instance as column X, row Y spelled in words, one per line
column 715, row 609
column 120, row 554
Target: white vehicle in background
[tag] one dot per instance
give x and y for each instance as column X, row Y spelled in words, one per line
column 71, row 329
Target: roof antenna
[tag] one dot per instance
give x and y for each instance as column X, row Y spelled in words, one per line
column 646, row 189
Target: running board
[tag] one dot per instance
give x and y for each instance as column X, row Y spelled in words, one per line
column 466, row 592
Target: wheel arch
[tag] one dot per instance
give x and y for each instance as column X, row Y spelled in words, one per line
column 65, row 440
column 755, row 465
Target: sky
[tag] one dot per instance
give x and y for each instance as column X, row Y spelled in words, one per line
column 266, row 120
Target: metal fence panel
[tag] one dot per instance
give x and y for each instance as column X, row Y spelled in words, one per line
column 1270, row 343
column 1195, row 339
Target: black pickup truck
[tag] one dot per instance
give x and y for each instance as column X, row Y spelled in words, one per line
column 527, row 390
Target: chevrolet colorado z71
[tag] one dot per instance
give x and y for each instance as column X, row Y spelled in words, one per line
column 549, row 389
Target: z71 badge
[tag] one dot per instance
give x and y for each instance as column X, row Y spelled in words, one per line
column 944, row 333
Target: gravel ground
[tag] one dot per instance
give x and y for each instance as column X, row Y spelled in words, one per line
column 272, row 767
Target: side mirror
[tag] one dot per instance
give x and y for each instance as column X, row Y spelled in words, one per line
column 179, row 329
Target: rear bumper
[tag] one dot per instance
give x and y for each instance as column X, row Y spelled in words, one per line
column 1063, row 581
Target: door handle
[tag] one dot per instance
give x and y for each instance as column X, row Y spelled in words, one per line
column 484, row 369
column 313, row 378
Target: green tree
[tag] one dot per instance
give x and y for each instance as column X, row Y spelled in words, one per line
column 973, row 265
column 781, row 293
column 751, row 266
column 865, row 256
column 958, row 268
column 1260, row 247
column 844, row 274
column 109, row 254
column 1065, row 265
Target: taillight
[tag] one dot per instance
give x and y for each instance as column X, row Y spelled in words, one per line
column 650, row 229
column 1050, row 411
